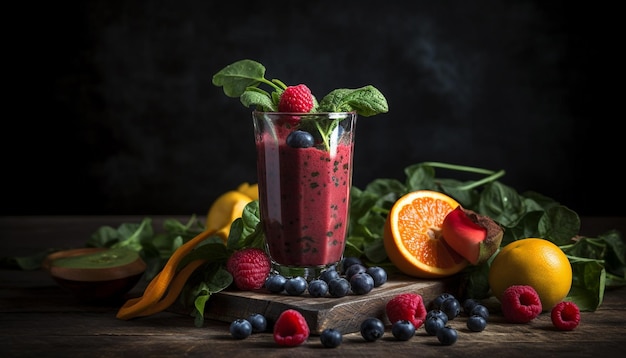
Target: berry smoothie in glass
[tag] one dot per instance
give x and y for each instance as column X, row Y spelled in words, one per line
column 304, row 164
column 304, row 188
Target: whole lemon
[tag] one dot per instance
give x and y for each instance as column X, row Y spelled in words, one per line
column 535, row 262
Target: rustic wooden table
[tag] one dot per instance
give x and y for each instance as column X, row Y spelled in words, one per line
column 39, row 319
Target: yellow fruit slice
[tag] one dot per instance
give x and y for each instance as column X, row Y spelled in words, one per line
column 534, row 262
column 228, row 207
column 412, row 235
column 250, row 190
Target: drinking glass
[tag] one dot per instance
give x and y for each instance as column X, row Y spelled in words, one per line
column 304, row 167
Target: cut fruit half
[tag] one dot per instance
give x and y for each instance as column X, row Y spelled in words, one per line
column 413, row 239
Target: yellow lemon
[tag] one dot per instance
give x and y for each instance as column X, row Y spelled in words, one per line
column 534, row 262
column 228, row 207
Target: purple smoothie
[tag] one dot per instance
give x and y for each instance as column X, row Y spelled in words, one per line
column 304, row 198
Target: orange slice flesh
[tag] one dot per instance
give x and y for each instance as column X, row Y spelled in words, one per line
column 412, row 235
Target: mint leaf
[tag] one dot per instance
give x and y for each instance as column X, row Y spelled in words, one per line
column 237, row 77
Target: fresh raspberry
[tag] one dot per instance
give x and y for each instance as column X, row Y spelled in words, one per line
column 520, row 304
column 565, row 316
column 290, row 329
column 249, row 268
column 407, row 306
column 296, row 99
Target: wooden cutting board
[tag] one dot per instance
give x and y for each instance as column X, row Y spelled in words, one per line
column 344, row 314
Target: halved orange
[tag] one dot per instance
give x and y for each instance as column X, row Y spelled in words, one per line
column 412, row 235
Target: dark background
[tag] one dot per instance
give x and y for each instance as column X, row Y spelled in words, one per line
column 114, row 111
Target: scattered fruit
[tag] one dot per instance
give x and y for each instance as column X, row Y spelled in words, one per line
column 361, row 283
column 534, row 262
column 412, row 235
column 249, row 267
column 520, row 304
column 433, row 324
column 473, row 236
column 406, row 306
column 291, row 329
column 258, row 322
column 240, row 328
column 451, row 307
column 331, row 338
column 372, row 329
column 339, row 287
column 565, row 316
column 447, row 336
column 295, row 286
column 403, row 330
column 275, row 283
column 437, row 301
column 480, row 310
column 476, row 323
column 379, row 275
column 437, row 313
column 318, row 288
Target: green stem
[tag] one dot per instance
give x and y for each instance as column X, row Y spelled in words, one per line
column 493, row 175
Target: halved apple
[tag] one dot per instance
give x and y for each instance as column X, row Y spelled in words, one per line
column 473, row 236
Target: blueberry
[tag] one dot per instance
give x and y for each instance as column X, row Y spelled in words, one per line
column 451, row 307
column 349, row 261
column 295, row 286
column 437, row 313
column 372, row 329
column 354, row 269
column 331, row 338
column 378, row 274
column 258, row 322
column 361, row 283
column 318, row 288
column 480, row 310
column 476, row 323
column 275, row 283
column 403, row 330
column 468, row 304
column 240, row 328
column 433, row 324
column 447, row 336
column 436, row 303
column 339, row 287
column 329, row 274
column 300, row 139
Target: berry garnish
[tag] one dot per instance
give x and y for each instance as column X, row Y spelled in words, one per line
column 300, row 139
column 565, row 316
column 403, row 330
column 331, row 338
column 520, row 304
column 372, row 329
column 407, row 306
column 240, row 328
column 290, row 329
column 296, row 99
column 249, row 268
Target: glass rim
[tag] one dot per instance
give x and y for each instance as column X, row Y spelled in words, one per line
column 304, row 114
